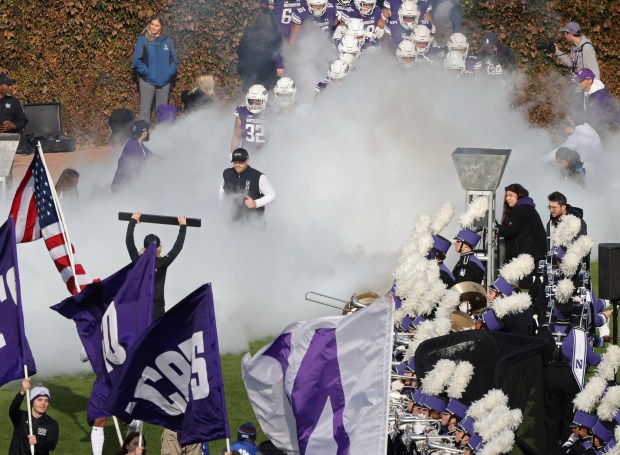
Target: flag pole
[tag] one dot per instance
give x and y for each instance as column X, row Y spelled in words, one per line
column 29, row 408
column 69, row 246
column 140, row 435
column 227, row 444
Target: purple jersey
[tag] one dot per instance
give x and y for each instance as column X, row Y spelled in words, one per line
column 252, row 129
column 283, row 13
column 370, row 21
column 473, row 65
column 326, row 21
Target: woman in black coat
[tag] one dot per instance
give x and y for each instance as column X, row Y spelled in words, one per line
column 523, row 232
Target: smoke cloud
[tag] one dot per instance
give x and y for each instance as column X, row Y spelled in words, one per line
column 350, row 175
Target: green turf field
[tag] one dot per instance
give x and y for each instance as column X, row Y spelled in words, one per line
column 68, row 406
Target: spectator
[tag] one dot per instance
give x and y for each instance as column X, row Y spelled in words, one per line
column 170, row 445
column 161, row 263
column 120, row 123
column 601, row 109
column 448, row 19
column 558, row 208
column 571, row 166
column 522, row 228
column 12, row 117
column 155, row 60
column 201, row 95
column 246, row 440
column 130, row 445
column 260, row 61
column 44, row 435
column 134, row 155
column 582, row 53
column 66, row 186
column 246, row 188
column 496, row 58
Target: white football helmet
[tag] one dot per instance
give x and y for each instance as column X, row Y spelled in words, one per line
column 355, row 27
column 338, row 69
column 365, row 7
column 317, row 7
column 421, row 37
column 349, row 45
column 285, row 91
column 406, row 53
column 408, row 14
column 256, row 99
column 458, row 42
column 454, row 63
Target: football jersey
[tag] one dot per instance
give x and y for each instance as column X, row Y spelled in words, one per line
column 326, row 21
column 252, row 129
column 370, row 21
column 283, row 13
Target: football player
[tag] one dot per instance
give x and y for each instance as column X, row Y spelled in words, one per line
column 321, row 12
column 250, row 121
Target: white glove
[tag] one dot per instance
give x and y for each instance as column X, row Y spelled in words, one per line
column 379, row 32
column 418, row 428
column 370, row 36
column 337, row 36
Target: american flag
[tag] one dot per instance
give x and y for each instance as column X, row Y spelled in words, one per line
column 36, row 216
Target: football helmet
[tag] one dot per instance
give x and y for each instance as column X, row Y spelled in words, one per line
column 454, row 63
column 285, row 91
column 256, row 99
column 408, row 14
column 338, row 69
column 458, row 42
column 406, row 53
column 317, row 7
column 421, row 37
column 349, row 45
column 356, row 28
column 344, row 2
column 365, row 7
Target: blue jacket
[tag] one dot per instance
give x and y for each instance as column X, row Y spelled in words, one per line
column 155, row 62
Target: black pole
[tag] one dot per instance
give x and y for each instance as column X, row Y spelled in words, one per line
column 614, row 315
column 159, row 219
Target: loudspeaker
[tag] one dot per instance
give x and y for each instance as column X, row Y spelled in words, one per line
column 609, row 271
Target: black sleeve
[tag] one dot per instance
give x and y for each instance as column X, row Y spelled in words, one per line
column 516, row 220
column 21, row 120
column 129, row 241
column 14, row 409
column 51, row 439
column 176, row 249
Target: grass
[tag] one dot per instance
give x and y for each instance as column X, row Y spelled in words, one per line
column 68, row 406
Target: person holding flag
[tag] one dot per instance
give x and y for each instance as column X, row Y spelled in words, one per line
column 40, row 431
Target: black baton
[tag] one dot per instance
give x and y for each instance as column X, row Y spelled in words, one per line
column 159, row 219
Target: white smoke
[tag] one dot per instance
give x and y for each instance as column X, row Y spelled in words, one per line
column 350, row 179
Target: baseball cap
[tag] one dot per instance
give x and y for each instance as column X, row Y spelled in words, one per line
column 489, row 41
column 571, row 27
column 39, row 391
column 138, row 127
column 239, row 155
column 4, row 79
column 583, row 74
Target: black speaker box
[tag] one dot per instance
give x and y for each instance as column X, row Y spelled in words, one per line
column 45, row 124
column 609, row 271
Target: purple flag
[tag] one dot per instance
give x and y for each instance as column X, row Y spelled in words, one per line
column 173, row 375
column 14, row 349
column 109, row 316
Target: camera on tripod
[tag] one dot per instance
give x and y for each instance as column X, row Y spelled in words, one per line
column 548, row 47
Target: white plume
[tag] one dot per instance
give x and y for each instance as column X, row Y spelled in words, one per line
column 588, row 397
column 501, row 444
column 499, row 419
column 513, row 304
column 460, row 379
column 491, row 400
column 564, row 290
column 442, row 218
column 519, row 267
column 566, row 230
column 476, row 209
column 450, row 301
column 427, row 330
column 575, row 253
column 438, row 378
column 610, row 403
column 609, row 364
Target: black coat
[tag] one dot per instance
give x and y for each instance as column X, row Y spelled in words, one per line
column 524, row 232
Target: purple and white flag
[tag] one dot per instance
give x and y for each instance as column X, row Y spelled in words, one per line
column 322, row 386
column 109, row 316
column 173, row 375
column 14, row 349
